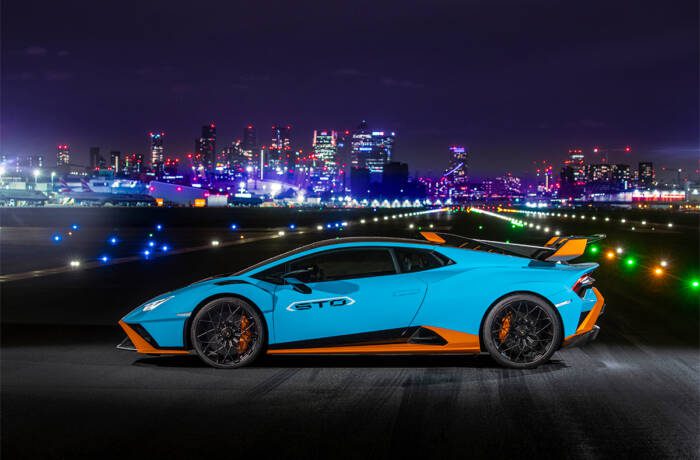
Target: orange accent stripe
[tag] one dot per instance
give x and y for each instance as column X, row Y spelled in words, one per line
column 590, row 319
column 457, row 342
column 144, row 347
column 551, row 241
column 434, row 237
column 569, row 250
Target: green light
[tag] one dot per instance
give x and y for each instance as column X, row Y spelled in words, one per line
column 594, row 249
column 630, row 262
column 695, row 284
column 481, row 227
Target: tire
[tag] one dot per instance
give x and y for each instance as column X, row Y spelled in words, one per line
column 228, row 333
column 522, row 331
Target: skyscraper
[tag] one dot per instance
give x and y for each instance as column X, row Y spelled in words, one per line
column 360, row 145
column 63, row 155
column 382, row 148
column 457, row 174
column 250, row 141
column 325, row 165
column 647, row 175
column 115, row 159
column 280, row 155
column 96, row 160
column 206, row 146
column 156, row 149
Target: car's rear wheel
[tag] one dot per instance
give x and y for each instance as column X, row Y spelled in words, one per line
column 228, row 333
column 521, row 331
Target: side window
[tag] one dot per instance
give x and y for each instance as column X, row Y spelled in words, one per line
column 345, row 264
column 416, row 260
column 272, row 275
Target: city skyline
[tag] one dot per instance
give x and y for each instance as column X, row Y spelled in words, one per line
column 436, row 73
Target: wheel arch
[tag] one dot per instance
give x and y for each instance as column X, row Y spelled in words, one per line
column 186, row 339
column 519, row 292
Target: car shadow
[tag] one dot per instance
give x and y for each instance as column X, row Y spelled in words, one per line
column 354, row 361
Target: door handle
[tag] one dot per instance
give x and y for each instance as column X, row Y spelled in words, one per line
column 406, row 292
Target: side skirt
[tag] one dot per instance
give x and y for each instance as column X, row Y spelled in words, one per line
column 418, row 339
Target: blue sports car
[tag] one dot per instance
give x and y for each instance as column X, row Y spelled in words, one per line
column 445, row 294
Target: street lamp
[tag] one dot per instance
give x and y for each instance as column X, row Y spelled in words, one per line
column 36, row 174
column 53, row 174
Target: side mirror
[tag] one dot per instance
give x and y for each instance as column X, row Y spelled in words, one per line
column 290, row 278
column 298, row 285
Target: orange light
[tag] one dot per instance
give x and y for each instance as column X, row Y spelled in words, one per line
column 610, row 254
column 658, row 271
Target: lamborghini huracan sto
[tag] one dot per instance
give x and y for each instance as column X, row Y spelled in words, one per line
column 369, row 295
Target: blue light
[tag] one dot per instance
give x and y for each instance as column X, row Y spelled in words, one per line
column 75, row 226
column 165, row 248
column 104, row 259
column 159, row 227
column 337, row 225
column 56, row 238
column 234, row 226
column 113, row 240
column 329, row 225
column 292, row 226
column 151, row 244
column 146, row 253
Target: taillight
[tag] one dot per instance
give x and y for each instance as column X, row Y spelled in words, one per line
column 583, row 284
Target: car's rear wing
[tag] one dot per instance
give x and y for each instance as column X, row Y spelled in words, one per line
column 557, row 249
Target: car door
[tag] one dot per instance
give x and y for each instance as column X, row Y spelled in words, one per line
column 353, row 290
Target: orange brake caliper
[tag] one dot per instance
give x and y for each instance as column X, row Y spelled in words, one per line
column 505, row 327
column 244, row 340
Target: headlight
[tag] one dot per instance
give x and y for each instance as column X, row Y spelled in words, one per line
column 156, row 303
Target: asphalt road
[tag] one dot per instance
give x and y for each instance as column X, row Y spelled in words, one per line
column 67, row 393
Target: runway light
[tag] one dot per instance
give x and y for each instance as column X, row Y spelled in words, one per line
column 151, row 244
column 630, row 262
column 56, row 238
column 70, row 233
column 113, row 240
column 607, row 219
column 159, row 227
column 146, row 253
column 75, row 226
column 623, row 220
column 557, row 233
column 74, row 263
column 104, row 259
column 644, row 222
column 619, row 250
column 664, row 263
column 594, row 249
column 410, row 225
column 670, row 225
column 280, row 233
column 695, row 284
column 165, row 248
column 610, row 254
column 362, row 221
column 234, row 226
column 658, row 271
column 215, row 242
column 292, row 226
column 376, row 219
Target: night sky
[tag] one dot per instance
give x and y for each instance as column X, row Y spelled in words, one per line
column 515, row 81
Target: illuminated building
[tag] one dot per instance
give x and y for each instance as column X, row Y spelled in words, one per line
column 115, row 160
column 324, row 160
column 249, row 138
column 457, row 174
column 280, row 157
column 133, row 163
column 156, row 150
column 63, row 155
column 206, row 146
column 573, row 175
column 647, row 175
column 621, row 176
column 360, row 146
column 382, row 148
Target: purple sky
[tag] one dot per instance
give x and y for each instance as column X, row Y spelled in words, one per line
column 515, row 81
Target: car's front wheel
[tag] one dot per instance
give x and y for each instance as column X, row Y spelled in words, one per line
column 228, row 333
column 521, row 331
